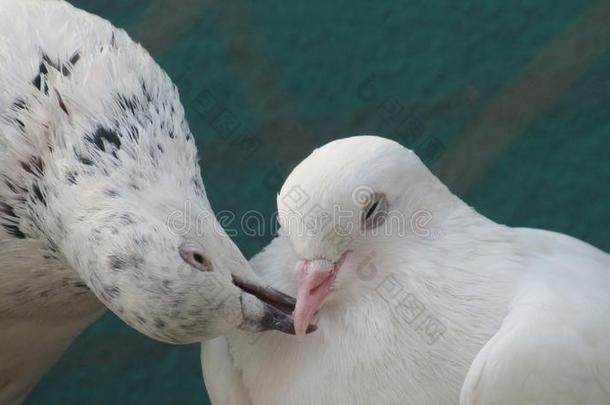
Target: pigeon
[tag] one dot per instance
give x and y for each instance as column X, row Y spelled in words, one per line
column 418, row 299
column 102, row 203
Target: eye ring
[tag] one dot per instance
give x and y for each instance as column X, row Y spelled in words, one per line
column 194, row 258
column 375, row 211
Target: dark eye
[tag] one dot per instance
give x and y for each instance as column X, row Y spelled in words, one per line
column 195, row 258
column 371, row 210
column 375, row 212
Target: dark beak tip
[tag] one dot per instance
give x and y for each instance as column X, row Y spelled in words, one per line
column 289, row 329
column 278, row 320
column 278, row 307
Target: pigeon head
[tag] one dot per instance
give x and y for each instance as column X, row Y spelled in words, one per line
column 347, row 202
column 120, row 198
column 171, row 283
column 148, row 244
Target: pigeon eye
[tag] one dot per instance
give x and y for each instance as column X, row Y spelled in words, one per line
column 195, row 258
column 375, row 211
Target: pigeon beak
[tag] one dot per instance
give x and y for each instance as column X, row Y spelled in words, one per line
column 314, row 280
column 265, row 308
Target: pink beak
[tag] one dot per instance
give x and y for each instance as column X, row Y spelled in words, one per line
column 314, row 279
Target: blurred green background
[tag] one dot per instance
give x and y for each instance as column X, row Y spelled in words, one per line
column 508, row 102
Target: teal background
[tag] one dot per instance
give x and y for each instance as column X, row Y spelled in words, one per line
column 508, row 102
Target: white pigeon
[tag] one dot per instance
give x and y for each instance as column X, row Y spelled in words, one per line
column 101, row 199
column 420, row 300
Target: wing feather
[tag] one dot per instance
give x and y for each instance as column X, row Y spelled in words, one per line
column 222, row 380
column 553, row 347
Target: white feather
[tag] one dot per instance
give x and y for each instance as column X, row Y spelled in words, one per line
column 95, row 158
column 524, row 311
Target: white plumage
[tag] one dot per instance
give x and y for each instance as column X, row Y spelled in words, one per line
column 444, row 308
column 101, row 199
